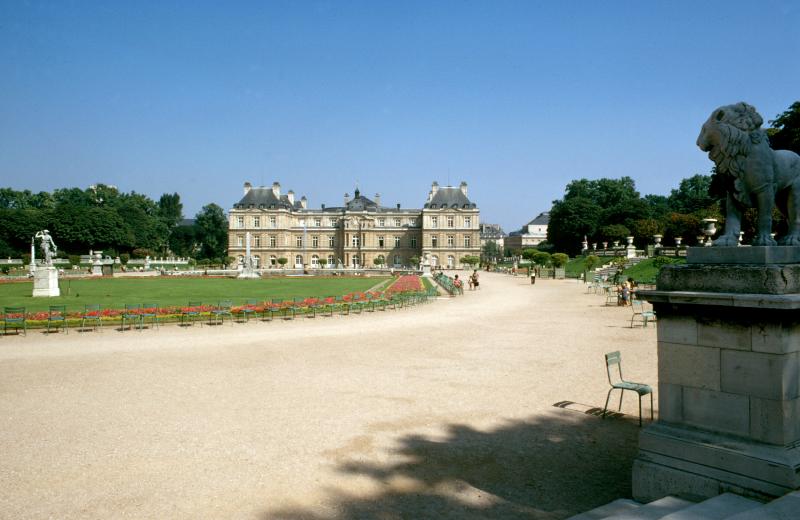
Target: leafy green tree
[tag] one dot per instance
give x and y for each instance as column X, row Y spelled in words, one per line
column 541, row 258
column 379, row 260
column 211, row 227
column 491, row 249
column 282, row 261
column 559, row 259
column 692, row 195
column 170, row 209
column 183, row 241
column 785, row 131
column 470, row 260
column 615, row 232
column 529, row 253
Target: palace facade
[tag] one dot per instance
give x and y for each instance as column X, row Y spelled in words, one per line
column 360, row 233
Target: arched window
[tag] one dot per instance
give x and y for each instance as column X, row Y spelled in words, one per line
column 397, row 260
column 434, row 260
column 273, row 260
column 298, row 261
column 314, row 261
column 256, row 261
column 331, row 260
column 451, row 261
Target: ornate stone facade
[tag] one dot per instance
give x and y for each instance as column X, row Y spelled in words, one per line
column 355, row 234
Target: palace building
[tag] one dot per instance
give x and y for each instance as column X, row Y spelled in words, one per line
column 360, row 233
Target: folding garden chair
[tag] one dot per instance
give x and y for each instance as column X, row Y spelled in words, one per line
column 614, row 364
column 57, row 317
column 132, row 315
column 225, row 308
column 149, row 311
column 92, row 313
column 191, row 312
column 14, row 317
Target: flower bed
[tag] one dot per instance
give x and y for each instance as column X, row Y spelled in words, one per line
column 406, row 283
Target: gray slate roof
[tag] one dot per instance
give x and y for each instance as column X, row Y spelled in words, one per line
column 542, row 219
column 449, row 197
column 265, row 198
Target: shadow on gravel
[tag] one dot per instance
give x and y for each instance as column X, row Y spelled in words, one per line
column 548, row 467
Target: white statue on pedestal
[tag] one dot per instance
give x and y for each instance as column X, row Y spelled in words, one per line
column 45, row 280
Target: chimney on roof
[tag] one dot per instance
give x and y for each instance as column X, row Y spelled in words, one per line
column 276, row 189
column 247, row 187
column 346, row 198
column 398, row 205
column 434, row 189
column 463, row 188
column 323, row 206
column 303, row 202
column 290, row 196
column 378, row 199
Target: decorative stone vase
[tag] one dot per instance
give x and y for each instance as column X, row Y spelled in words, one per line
column 616, row 243
column 709, row 229
column 678, row 241
column 605, row 245
column 594, row 246
column 700, row 239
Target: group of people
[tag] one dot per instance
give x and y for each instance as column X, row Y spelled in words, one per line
column 626, row 291
column 473, row 281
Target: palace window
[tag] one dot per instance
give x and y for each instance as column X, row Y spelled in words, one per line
column 381, row 222
column 298, row 261
column 314, row 261
column 434, row 222
column 413, row 242
column 397, row 222
column 466, row 241
column 450, row 221
column 413, row 221
column 380, row 242
column 467, row 221
column 450, row 240
column 273, row 241
column 302, row 222
column 355, row 240
column 331, row 260
column 240, row 222
column 239, row 240
column 314, row 242
column 317, row 222
column 396, row 241
column 434, row 241
column 397, row 260
column 298, row 241
column 257, row 241
column 273, row 222
column 256, row 222
column 331, row 241
column 334, row 222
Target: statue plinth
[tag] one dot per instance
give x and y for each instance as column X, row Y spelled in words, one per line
column 728, row 380
column 248, row 273
column 45, row 282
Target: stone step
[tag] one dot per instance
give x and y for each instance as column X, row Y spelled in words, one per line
column 785, row 508
column 612, row 508
column 653, row 510
column 716, row 508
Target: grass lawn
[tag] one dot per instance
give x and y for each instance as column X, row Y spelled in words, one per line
column 114, row 293
column 645, row 271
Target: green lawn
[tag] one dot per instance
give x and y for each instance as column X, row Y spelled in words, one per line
column 114, row 293
column 645, row 271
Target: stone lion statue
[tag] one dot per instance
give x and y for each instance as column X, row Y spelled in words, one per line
column 755, row 174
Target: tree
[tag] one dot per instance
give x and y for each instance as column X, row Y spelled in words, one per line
column 379, row 260
column 183, row 241
column 785, row 131
column 491, row 249
column 470, row 260
column 211, row 227
column 559, row 259
column 529, row 253
column 541, row 258
column 282, row 261
column 170, row 209
column 615, row 232
column 692, row 195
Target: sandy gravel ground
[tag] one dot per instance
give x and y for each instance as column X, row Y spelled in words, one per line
column 465, row 408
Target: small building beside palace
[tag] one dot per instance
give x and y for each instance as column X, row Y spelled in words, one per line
column 531, row 235
column 359, row 233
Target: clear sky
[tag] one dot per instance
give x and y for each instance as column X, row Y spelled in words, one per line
column 515, row 98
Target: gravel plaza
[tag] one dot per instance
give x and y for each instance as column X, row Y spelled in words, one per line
column 479, row 406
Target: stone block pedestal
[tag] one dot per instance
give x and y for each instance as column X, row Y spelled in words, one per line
column 729, row 384
column 45, row 282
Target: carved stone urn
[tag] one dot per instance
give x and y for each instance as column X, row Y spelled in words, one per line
column 709, row 229
column 678, row 241
column 657, row 240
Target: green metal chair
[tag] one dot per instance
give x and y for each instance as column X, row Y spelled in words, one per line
column 14, row 317
column 617, row 382
column 297, row 306
column 639, row 312
column 190, row 313
column 225, row 308
column 131, row 314
column 92, row 313
column 57, row 317
column 149, row 311
column 344, row 306
column 275, row 308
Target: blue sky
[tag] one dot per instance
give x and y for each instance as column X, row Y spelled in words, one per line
column 515, row 98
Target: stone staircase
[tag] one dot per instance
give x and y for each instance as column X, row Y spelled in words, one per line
column 608, row 270
column 722, row 507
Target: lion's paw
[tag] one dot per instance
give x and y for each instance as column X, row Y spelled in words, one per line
column 727, row 240
column 790, row 240
column 764, row 240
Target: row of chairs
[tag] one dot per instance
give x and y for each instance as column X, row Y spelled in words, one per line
column 137, row 316
column 448, row 284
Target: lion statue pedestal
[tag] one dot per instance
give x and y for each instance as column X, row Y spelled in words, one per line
column 729, row 337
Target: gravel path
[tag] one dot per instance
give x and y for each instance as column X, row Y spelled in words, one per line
column 444, row 410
